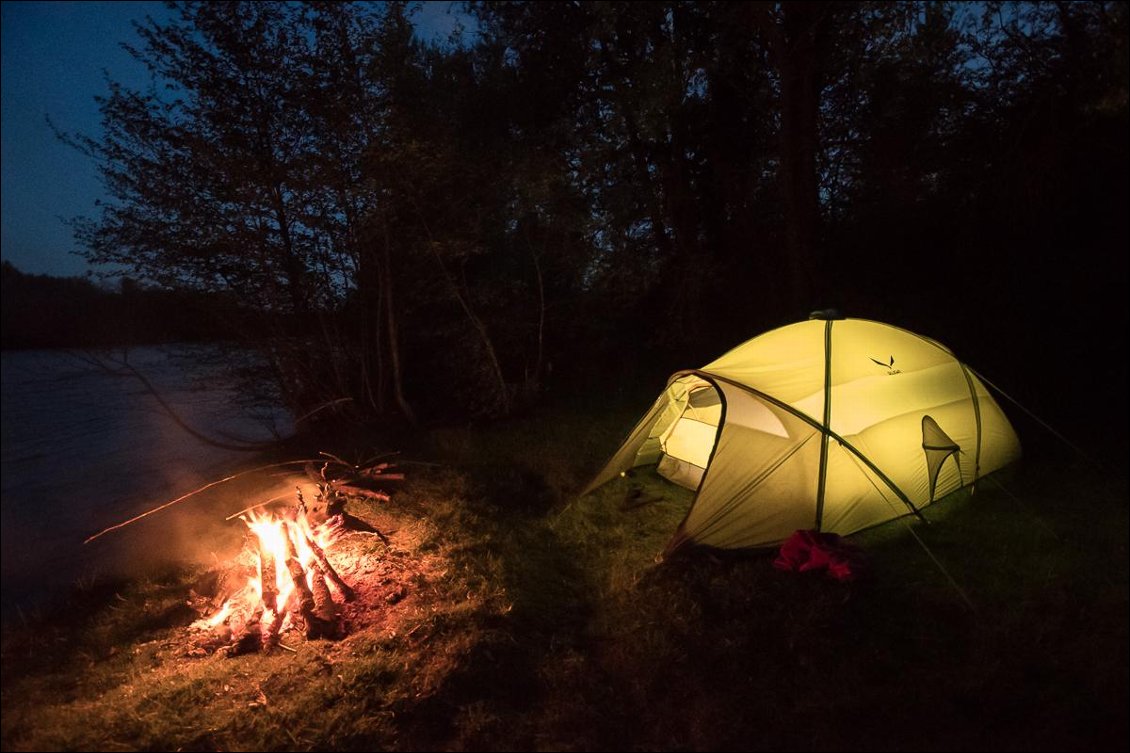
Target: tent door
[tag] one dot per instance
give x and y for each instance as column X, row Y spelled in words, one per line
column 689, row 440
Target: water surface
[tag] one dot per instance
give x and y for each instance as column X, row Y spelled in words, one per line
column 84, row 449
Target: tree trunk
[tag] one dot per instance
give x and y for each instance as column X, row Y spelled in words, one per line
column 800, row 103
column 292, row 265
column 462, row 297
column 370, row 292
column 793, row 38
column 393, row 338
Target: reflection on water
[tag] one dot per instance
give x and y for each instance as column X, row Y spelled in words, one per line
column 83, row 449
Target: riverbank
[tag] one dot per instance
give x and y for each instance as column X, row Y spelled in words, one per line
column 548, row 626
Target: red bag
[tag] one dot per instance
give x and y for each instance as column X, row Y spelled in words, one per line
column 813, row 550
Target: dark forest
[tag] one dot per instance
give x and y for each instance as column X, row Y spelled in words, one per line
column 448, row 230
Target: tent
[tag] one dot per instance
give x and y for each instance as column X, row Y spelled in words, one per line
column 831, row 424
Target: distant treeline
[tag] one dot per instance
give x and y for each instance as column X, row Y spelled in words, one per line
column 41, row 311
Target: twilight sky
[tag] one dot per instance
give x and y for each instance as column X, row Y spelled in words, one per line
column 55, row 58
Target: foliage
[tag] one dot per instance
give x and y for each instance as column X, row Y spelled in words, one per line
column 449, row 228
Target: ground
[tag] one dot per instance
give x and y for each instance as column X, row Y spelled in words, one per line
column 504, row 613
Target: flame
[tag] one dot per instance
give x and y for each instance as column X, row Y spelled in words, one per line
column 273, row 533
column 276, row 542
column 219, row 617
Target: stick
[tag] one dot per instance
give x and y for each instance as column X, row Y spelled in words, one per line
column 191, row 493
column 304, row 600
column 349, row 489
column 267, row 575
column 323, row 406
column 380, row 476
column 328, row 570
column 271, row 626
column 336, row 459
column 322, row 622
column 378, row 456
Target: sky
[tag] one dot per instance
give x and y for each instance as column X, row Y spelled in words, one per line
column 54, row 60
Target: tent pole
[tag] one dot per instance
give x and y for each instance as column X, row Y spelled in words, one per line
column 977, row 418
column 826, row 430
column 822, row 479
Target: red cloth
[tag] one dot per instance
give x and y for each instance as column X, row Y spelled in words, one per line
column 812, row 550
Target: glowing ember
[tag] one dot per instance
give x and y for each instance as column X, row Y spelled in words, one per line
column 289, row 587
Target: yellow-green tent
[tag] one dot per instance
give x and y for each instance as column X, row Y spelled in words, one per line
column 834, row 424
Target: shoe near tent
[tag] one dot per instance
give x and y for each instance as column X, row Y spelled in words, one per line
column 833, row 424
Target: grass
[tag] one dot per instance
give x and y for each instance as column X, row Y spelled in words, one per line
column 544, row 623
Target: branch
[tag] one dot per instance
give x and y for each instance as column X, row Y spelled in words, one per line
column 194, row 492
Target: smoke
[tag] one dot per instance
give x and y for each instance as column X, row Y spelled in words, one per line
column 197, row 531
column 95, row 450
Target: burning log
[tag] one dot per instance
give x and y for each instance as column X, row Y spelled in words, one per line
column 267, row 576
column 328, row 571
column 311, row 608
column 324, row 616
column 245, row 634
column 302, row 599
column 270, row 627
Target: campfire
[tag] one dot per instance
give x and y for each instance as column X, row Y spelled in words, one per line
column 283, row 581
column 290, row 585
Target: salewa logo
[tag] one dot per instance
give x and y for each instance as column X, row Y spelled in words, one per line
column 890, row 367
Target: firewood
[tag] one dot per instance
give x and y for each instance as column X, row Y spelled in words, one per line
column 360, row 491
column 271, row 624
column 328, row 570
column 304, row 599
column 245, row 634
column 378, row 473
column 334, row 524
column 323, row 620
column 267, row 575
column 309, row 606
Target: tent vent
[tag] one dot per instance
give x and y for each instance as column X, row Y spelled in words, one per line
column 938, row 446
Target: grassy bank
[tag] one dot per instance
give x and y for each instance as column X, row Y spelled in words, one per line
column 534, row 620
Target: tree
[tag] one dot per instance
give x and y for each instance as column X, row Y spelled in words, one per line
column 425, row 228
column 240, row 170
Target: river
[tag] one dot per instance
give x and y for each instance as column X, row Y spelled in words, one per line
column 83, row 449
